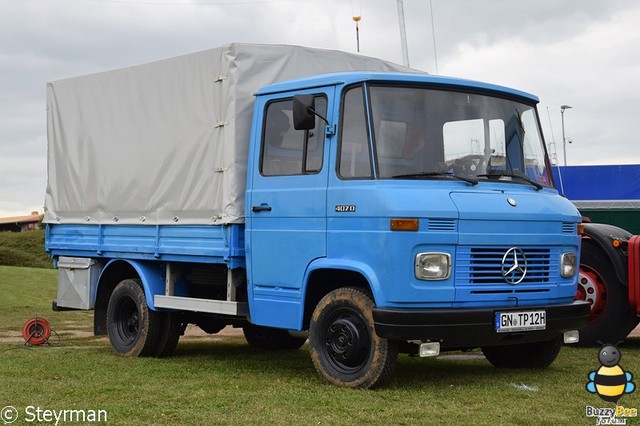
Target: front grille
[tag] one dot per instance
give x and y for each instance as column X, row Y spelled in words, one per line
column 483, row 265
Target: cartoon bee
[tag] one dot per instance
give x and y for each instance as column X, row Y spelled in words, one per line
column 610, row 381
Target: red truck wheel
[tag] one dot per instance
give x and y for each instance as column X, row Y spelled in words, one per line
column 612, row 319
column 592, row 288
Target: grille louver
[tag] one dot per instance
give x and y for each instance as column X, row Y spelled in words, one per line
column 442, row 225
column 484, row 265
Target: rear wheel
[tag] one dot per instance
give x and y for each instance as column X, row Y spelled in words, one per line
column 527, row 355
column 345, row 349
column 271, row 339
column 133, row 329
column 173, row 327
column 612, row 318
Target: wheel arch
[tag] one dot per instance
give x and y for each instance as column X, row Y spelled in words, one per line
column 150, row 273
column 602, row 235
column 325, row 275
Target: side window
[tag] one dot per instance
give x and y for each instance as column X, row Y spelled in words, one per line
column 286, row 151
column 355, row 151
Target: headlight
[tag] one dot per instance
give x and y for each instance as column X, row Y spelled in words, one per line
column 568, row 265
column 433, row 266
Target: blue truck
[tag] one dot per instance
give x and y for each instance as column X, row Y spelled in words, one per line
column 302, row 194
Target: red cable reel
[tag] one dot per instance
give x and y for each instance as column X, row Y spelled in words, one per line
column 36, row 331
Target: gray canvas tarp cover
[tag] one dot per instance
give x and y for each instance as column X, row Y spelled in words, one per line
column 167, row 142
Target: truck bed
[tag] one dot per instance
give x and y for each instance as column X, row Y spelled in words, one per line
column 179, row 243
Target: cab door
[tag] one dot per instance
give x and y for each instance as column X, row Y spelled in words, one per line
column 286, row 208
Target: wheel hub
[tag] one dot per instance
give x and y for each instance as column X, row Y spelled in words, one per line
column 591, row 288
column 132, row 324
column 127, row 321
column 347, row 343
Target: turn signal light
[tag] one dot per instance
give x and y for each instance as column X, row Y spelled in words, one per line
column 400, row 224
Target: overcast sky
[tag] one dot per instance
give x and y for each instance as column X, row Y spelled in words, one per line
column 583, row 53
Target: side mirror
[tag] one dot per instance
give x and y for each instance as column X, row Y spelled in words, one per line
column 304, row 117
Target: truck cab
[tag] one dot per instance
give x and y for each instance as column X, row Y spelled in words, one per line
column 432, row 197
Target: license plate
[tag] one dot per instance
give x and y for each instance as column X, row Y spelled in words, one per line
column 520, row 321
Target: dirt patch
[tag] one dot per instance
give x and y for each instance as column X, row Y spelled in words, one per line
column 463, row 356
column 11, row 337
column 194, row 332
column 75, row 333
column 69, row 332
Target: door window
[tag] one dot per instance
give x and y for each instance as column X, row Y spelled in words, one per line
column 287, row 151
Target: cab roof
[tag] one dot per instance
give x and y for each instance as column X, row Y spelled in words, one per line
column 351, row 77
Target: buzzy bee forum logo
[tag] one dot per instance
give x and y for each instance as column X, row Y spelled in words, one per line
column 610, row 382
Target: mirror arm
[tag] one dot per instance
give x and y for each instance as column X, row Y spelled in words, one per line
column 313, row 111
column 329, row 130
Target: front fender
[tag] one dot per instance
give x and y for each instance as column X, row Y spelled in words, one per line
column 603, row 235
column 348, row 265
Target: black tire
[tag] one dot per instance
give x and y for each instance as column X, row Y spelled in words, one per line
column 345, row 349
column 173, row 327
column 615, row 318
column 133, row 329
column 271, row 339
column 526, row 355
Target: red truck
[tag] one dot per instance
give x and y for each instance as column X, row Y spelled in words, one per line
column 609, row 196
column 610, row 280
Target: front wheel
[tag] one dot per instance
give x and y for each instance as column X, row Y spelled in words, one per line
column 133, row 328
column 345, row 349
column 525, row 355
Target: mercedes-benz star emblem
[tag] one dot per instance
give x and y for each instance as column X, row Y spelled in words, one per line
column 514, row 266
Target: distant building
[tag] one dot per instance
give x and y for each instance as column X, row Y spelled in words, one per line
column 20, row 223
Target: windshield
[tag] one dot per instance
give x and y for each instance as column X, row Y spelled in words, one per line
column 422, row 132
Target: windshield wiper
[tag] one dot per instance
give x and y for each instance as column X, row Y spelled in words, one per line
column 436, row 174
column 513, row 175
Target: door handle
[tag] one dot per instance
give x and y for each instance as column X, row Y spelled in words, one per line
column 261, row 208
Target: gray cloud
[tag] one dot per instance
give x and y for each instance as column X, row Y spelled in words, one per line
column 578, row 52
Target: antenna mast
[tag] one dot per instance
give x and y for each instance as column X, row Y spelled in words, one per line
column 403, row 34
column 433, row 33
column 357, row 19
column 356, row 13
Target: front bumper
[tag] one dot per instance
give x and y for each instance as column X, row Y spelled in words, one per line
column 470, row 328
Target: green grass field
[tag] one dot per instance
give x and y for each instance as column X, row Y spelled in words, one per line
column 223, row 381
